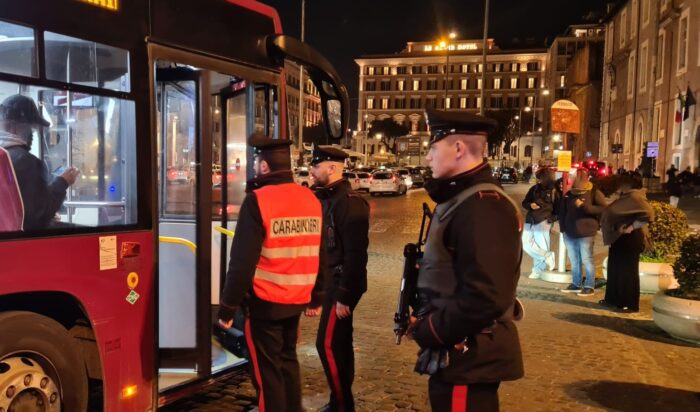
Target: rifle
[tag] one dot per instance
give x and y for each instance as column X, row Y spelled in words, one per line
column 412, row 253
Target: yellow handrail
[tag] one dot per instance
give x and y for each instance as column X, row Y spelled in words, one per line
column 225, row 231
column 179, row 241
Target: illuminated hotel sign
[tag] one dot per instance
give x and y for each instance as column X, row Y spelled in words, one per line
column 458, row 46
column 103, row 4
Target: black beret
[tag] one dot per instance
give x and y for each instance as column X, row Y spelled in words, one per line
column 262, row 143
column 327, row 153
column 443, row 124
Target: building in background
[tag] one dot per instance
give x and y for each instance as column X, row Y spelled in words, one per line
column 312, row 101
column 574, row 72
column 447, row 75
column 652, row 58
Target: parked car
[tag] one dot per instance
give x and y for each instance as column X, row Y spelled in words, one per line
column 353, row 179
column 386, row 182
column 178, row 175
column 301, row 177
column 417, row 177
column 405, row 175
column 508, row 175
column 364, row 180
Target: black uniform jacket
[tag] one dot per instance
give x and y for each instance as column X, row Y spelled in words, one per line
column 346, row 227
column 245, row 254
column 484, row 239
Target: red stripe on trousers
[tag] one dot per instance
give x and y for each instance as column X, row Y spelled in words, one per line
column 459, row 398
column 256, row 367
column 331, row 359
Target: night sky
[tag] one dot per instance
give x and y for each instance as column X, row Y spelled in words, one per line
column 346, row 29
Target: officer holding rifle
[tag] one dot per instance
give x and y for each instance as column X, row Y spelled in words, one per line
column 468, row 273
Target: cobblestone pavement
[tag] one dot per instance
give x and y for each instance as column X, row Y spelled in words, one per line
column 578, row 357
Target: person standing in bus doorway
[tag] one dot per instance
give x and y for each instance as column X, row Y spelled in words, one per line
column 346, row 230
column 469, row 272
column 278, row 268
column 42, row 194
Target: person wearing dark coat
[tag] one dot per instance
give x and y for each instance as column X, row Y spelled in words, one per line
column 346, row 228
column 542, row 204
column 42, row 194
column 579, row 212
column 277, row 270
column 624, row 223
column 469, row 272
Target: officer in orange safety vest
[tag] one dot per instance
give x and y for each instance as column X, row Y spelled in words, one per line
column 277, row 270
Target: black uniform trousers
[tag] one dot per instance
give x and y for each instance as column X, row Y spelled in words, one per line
column 334, row 346
column 475, row 397
column 275, row 369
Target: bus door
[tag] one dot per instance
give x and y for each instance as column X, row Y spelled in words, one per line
column 204, row 119
column 184, row 153
column 240, row 109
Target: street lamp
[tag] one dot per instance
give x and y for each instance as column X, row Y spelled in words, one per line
column 446, row 45
column 519, row 118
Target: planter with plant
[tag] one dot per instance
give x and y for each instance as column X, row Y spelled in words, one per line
column 678, row 311
column 666, row 234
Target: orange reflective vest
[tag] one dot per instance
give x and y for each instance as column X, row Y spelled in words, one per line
column 288, row 265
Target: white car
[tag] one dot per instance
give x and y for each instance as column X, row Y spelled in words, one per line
column 364, row 180
column 405, row 175
column 301, row 177
column 386, row 182
column 353, row 179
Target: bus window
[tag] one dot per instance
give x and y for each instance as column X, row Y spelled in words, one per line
column 84, row 62
column 94, row 134
column 17, row 50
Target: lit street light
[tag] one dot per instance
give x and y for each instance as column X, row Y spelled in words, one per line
column 445, row 45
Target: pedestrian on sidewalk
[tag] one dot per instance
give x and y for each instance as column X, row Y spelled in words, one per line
column 346, row 228
column 624, row 225
column 675, row 191
column 579, row 212
column 542, row 204
column 276, row 271
column 469, row 273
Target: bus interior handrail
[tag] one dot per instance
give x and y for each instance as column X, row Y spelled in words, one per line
column 74, row 204
column 179, row 241
column 223, row 230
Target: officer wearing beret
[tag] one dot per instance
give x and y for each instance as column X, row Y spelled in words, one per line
column 469, row 272
column 346, row 228
column 277, row 266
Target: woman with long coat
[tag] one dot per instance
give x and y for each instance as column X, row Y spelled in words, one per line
column 624, row 226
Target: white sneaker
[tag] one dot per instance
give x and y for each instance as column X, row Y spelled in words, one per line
column 534, row 275
column 550, row 260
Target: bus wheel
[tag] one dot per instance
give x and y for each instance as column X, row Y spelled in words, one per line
column 40, row 366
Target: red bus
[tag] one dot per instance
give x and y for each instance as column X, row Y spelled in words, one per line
column 108, row 296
